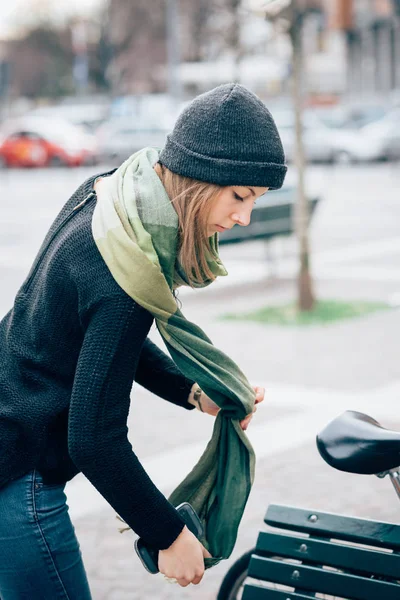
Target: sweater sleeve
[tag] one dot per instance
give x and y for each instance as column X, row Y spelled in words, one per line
column 115, row 330
column 158, row 373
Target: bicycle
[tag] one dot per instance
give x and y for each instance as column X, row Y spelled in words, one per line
column 355, row 443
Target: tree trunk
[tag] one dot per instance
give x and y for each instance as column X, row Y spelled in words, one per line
column 173, row 51
column 234, row 38
column 305, row 293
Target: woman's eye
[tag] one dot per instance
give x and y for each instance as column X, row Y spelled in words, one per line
column 237, row 197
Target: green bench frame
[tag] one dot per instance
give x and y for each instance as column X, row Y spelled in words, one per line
column 341, row 556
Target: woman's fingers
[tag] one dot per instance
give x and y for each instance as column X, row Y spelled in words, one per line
column 260, row 393
column 245, row 423
column 206, row 553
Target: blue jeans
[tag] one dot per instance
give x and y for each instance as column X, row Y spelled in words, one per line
column 40, row 557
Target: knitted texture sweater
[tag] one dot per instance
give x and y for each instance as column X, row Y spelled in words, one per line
column 70, row 350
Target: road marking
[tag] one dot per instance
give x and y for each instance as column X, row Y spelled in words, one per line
column 318, row 406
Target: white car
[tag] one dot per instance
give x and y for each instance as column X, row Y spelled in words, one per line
column 119, row 138
column 316, row 136
column 379, row 140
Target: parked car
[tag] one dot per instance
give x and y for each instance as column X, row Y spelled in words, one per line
column 119, row 138
column 323, row 143
column 316, row 136
column 351, row 115
column 39, row 142
column 376, row 141
column 88, row 115
column 385, row 134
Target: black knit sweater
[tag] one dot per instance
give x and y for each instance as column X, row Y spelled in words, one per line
column 70, row 349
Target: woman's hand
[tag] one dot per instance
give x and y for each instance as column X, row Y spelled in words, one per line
column 260, row 394
column 184, row 559
column 206, row 405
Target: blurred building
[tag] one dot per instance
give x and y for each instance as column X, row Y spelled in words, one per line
column 261, row 58
column 371, row 30
column 134, row 48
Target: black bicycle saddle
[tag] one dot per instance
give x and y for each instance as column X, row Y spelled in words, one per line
column 356, row 443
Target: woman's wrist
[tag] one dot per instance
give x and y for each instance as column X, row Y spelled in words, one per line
column 202, row 402
column 195, row 396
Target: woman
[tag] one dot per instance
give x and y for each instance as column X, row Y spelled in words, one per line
column 76, row 339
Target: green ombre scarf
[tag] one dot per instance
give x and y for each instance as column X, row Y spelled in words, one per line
column 135, row 228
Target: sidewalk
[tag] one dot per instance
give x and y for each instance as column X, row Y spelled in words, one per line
column 115, row 573
column 310, row 375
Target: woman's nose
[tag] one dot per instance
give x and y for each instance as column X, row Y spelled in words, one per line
column 243, row 217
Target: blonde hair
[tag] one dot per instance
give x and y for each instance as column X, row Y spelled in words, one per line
column 192, row 200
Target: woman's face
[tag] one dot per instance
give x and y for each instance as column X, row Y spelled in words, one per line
column 233, row 205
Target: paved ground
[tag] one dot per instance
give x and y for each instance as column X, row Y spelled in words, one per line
column 323, row 373
column 294, row 478
column 310, row 374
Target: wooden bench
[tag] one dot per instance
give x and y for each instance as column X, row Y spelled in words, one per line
column 340, row 556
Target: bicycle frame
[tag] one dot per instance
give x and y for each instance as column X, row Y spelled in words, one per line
column 394, row 475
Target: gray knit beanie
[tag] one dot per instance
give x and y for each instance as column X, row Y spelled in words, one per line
column 227, row 137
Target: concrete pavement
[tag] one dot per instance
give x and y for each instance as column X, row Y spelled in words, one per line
column 311, row 375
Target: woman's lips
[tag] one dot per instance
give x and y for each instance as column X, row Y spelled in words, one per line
column 220, row 228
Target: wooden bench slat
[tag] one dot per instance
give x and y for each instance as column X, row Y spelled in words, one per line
column 305, row 578
column 255, row 592
column 364, row 531
column 330, row 553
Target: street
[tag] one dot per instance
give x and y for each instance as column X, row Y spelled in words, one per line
column 310, row 374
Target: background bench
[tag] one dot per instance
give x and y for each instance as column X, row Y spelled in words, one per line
column 332, row 558
column 272, row 216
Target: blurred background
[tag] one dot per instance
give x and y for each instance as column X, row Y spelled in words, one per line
column 84, row 85
column 121, row 71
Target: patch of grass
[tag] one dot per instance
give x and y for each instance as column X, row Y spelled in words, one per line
column 325, row 312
